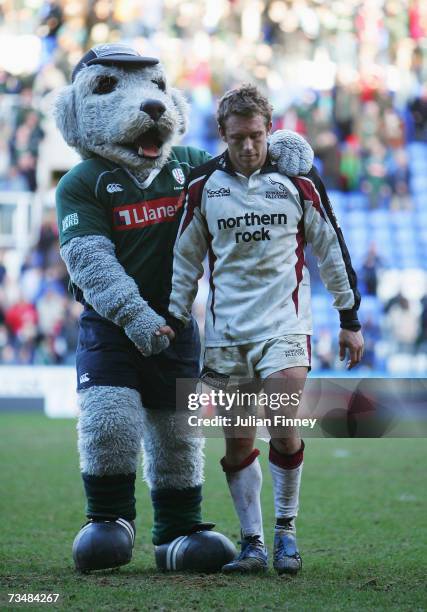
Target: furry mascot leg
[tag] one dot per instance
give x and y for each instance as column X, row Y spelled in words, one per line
column 173, row 469
column 110, row 432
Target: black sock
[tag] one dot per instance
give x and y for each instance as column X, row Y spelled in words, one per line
column 110, row 497
column 176, row 511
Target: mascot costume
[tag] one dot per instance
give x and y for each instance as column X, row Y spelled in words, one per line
column 118, row 214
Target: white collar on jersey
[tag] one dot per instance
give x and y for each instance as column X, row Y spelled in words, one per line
column 150, row 178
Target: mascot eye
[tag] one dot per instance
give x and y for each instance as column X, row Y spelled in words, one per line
column 160, row 84
column 105, row 85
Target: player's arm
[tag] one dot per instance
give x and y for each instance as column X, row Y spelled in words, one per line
column 89, row 254
column 337, row 273
column 189, row 252
column 196, row 157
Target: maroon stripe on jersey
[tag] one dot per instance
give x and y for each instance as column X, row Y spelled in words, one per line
column 142, row 214
column 212, row 260
column 308, row 190
column 299, row 252
column 309, row 349
column 193, row 198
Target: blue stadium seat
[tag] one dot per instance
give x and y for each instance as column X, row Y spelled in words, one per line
column 356, row 219
column 370, row 306
column 405, row 238
column 357, row 201
column 418, row 182
column 417, row 150
column 378, row 218
column 402, row 218
column 337, row 198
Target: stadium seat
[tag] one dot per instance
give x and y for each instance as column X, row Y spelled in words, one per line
column 378, row 218
column 356, row 219
column 417, row 150
column 357, row 201
column 418, row 182
column 370, row 306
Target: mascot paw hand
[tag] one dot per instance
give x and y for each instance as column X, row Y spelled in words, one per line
column 142, row 330
column 159, row 344
column 291, row 151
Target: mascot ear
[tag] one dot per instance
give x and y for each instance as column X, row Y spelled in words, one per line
column 182, row 107
column 65, row 116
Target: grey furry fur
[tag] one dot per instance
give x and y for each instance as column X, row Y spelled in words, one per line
column 106, row 125
column 110, row 430
column 111, row 426
column 293, row 154
column 93, row 267
column 172, row 459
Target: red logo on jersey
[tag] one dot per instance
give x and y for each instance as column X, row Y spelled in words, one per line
column 143, row 214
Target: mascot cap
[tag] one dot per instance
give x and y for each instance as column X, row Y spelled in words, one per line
column 116, row 54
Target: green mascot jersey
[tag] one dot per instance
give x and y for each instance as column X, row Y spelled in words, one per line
column 98, row 197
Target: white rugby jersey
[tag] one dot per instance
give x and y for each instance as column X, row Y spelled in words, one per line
column 254, row 231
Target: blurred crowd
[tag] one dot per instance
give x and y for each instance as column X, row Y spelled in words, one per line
column 38, row 319
column 350, row 75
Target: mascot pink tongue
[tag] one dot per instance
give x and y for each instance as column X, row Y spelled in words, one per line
column 118, row 216
column 149, row 151
column 149, row 144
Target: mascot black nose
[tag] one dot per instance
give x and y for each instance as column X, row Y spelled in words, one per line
column 154, row 108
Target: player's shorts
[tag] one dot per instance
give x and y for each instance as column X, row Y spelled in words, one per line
column 107, row 357
column 259, row 359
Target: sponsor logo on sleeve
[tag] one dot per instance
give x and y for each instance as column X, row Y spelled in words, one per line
column 70, row 221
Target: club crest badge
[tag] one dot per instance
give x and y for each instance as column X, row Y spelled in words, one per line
column 178, row 175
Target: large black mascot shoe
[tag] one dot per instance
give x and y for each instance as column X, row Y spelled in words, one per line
column 201, row 551
column 103, row 545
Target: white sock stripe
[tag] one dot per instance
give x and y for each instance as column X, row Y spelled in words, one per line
column 176, row 549
column 124, row 523
column 85, row 528
column 170, row 550
column 168, row 555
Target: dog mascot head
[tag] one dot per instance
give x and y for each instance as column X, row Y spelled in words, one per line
column 121, row 107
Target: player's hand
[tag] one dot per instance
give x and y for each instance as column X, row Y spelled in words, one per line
column 354, row 343
column 165, row 330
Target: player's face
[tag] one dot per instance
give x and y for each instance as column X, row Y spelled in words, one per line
column 246, row 138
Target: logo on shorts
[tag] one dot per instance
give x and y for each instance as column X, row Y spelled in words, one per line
column 214, row 379
column 84, row 378
column 295, row 352
column 178, row 175
column 114, row 187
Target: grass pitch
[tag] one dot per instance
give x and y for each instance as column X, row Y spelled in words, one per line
column 362, row 530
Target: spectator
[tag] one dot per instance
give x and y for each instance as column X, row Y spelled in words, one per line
column 402, row 323
column 369, row 271
column 418, row 110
